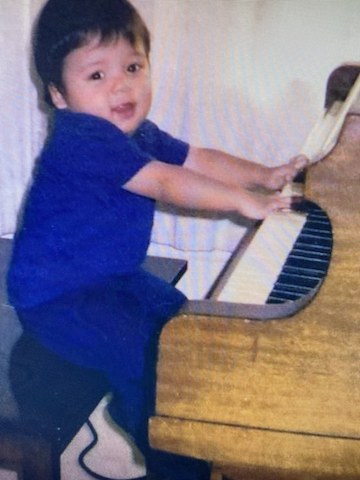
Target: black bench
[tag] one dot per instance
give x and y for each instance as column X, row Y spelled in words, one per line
column 44, row 400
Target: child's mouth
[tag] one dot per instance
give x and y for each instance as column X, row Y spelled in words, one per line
column 125, row 110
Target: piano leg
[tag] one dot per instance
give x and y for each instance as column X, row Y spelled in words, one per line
column 216, row 473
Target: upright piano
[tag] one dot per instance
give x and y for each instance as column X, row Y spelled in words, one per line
column 275, row 399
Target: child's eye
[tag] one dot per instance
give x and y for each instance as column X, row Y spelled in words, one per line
column 97, row 76
column 134, row 67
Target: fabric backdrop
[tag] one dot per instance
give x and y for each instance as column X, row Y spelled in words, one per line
column 246, row 76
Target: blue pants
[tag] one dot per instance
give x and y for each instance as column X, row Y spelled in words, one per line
column 114, row 328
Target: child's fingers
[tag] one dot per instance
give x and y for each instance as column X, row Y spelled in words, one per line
column 281, row 203
column 294, row 203
column 299, row 161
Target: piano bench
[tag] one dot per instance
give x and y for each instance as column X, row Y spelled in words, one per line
column 25, row 454
column 45, row 400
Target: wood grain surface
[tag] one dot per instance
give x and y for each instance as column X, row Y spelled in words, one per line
column 280, row 397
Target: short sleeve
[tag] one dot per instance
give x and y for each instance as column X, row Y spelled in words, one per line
column 159, row 144
column 93, row 148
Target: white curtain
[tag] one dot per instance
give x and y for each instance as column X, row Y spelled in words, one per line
column 246, row 76
column 21, row 126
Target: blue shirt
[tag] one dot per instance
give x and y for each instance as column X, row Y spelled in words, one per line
column 79, row 225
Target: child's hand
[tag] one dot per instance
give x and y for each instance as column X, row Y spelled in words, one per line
column 278, row 177
column 258, row 206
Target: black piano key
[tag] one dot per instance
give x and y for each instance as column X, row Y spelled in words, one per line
column 318, row 225
column 309, row 242
column 301, row 273
column 282, row 292
column 320, row 235
column 286, row 287
column 283, row 297
column 309, row 238
column 301, row 204
column 300, row 176
column 314, row 251
column 306, row 264
column 294, row 279
column 324, row 243
column 288, row 292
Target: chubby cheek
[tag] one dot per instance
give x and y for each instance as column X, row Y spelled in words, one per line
column 91, row 104
column 146, row 97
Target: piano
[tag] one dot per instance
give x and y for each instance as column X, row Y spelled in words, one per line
column 277, row 399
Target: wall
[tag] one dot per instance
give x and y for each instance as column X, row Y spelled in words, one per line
column 245, row 76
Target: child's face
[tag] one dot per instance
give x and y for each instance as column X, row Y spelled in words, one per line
column 110, row 80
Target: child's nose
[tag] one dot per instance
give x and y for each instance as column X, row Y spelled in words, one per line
column 121, row 82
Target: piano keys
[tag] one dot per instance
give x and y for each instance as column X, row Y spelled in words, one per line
column 307, row 263
column 278, row 399
column 258, row 268
column 288, row 259
column 278, row 273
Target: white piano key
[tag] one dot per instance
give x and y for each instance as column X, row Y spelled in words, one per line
column 258, row 268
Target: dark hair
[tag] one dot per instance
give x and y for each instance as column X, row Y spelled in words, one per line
column 64, row 25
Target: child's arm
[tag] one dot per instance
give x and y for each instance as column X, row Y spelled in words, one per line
column 186, row 187
column 237, row 171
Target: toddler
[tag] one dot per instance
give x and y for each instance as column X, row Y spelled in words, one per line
column 75, row 277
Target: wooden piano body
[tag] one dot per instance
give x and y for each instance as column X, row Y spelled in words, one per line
column 278, row 399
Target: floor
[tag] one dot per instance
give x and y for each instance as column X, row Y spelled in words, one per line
column 113, row 456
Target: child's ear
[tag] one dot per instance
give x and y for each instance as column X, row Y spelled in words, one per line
column 57, row 97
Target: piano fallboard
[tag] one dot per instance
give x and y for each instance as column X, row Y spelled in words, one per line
column 282, row 396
